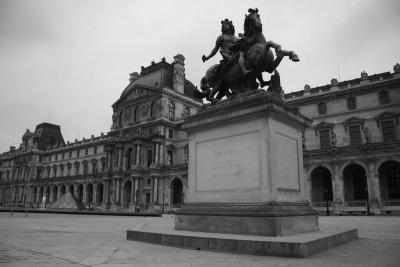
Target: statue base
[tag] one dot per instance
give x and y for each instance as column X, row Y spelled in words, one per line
column 267, row 219
column 246, row 169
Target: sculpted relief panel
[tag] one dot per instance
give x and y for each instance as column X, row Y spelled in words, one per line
column 229, row 163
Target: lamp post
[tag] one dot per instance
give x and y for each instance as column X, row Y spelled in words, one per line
column 366, row 190
column 327, row 203
column 136, row 202
column 162, row 210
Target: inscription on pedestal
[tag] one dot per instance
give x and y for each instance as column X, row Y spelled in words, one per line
column 228, row 163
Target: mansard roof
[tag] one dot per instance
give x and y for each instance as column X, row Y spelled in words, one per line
column 156, row 76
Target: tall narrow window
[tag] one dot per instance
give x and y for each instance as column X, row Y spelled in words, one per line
column 149, row 157
column 383, row 97
column 351, row 103
column 325, row 138
column 153, row 110
column 322, row 108
column 136, row 114
column 388, row 130
column 171, row 112
column 355, row 135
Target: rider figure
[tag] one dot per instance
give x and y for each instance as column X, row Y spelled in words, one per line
column 224, row 44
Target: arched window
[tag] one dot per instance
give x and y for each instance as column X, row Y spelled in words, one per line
column 383, row 97
column 322, row 108
column 171, row 110
column 351, row 103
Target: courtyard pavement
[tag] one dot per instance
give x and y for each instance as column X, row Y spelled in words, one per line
column 89, row 240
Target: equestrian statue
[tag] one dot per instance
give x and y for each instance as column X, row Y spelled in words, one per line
column 244, row 59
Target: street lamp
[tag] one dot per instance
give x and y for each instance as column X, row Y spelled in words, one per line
column 162, row 210
column 327, row 203
column 136, row 197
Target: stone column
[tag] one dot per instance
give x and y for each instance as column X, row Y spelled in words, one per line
column 137, row 155
column 162, row 158
column 58, row 191
column 374, row 190
column 155, row 189
column 120, row 158
column 338, row 189
column 123, row 160
column 156, row 153
column 109, row 163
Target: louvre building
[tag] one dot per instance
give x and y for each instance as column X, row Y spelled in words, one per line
column 351, row 150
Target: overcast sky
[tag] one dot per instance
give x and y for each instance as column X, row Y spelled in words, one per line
column 67, row 62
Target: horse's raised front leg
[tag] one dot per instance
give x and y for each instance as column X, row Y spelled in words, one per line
column 292, row 55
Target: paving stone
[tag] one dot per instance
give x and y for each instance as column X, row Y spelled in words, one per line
column 85, row 240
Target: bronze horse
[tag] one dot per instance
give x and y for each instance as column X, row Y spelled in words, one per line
column 258, row 58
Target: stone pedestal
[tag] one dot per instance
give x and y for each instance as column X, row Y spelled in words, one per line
column 246, row 169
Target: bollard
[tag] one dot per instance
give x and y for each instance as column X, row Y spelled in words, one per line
column 12, row 212
column 26, row 212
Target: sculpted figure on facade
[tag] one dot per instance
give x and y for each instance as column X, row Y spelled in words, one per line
column 244, row 60
column 367, row 135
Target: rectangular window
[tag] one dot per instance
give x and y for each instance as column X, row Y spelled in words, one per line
column 322, row 108
column 149, row 157
column 70, row 154
column 325, row 138
column 170, row 133
column 388, row 130
column 86, row 151
column 95, row 150
column 77, row 153
column 355, row 135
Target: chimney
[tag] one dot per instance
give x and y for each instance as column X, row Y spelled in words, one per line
column 179, row 73
column 133, row 76
column 12, row 148
column 334, row 84
column 307, row 90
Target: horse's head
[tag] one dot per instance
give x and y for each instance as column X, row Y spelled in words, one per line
column 252, row 22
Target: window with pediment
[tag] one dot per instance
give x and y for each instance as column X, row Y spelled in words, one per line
column 354, row 126
column 61, row 170
column 326, row 135
column 94, row 166
column 387, row 122
column 69, row 165
column 39, row 173
column 103, row 164
column 388, row 130
column 77, row 168
column 85, row 167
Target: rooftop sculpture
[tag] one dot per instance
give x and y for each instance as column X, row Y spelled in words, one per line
column 244, row 60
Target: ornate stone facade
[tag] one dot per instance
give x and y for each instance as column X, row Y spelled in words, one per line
column 140, row 164
column 352, row 149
